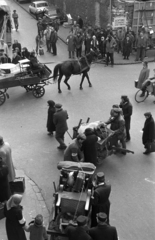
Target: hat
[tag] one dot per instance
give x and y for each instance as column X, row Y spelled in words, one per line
column 148, row 114
column 102, row 216
column 81, row 220
column 58, row 105
column 100, row 176
column 38, row 220
column 124, row 97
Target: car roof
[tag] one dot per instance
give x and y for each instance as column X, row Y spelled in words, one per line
column 39, row 2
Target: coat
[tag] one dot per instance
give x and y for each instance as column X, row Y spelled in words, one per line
column 127, row 112
column 16, row 59
column 110, row 45
column 5, row 153
column 51, row 110
column 78, row 42
column 103, row 232
column 60, row 121
column 126, row 48
column 148, row 130
column 4, row 184
column 144, row 74
column 71, row 43
column 13, row 227
column 88, row 44
column 77, row 233
column 141, row 42
column 89, row 148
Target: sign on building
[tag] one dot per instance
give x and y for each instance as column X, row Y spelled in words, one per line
column 119, row 22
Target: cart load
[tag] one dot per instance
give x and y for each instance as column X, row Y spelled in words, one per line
column 72, row 195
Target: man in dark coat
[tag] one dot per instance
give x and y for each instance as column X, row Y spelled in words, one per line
column 78, row 44
column 148, row 132
column 127, row 112
column 15, row 58
column 78, row 232
column 126, row 47
column 53, row 40
column 89, row 146
column 60, row 121
column 51, row 111
column 100, row 199
column 4, row 183
column 103, row 231
column 80, row 22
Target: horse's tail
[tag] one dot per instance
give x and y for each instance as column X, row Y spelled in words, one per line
column 56, row 71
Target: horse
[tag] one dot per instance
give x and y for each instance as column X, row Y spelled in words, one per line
column 74, row 67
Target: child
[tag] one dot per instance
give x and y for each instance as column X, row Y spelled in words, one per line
column 36, row 229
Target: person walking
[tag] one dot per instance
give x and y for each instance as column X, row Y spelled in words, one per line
column 71, row 44
column 103, row 231
column 51, row 110
column 148, row 132
column 78, row 232
column 14, row 218
column 6, row 155
column 37, row 229
column 78, row 44
column 127, row 112
column 100, row 199
column 60, row 120
column 4, row 183
column 15, row 19
column 89, row 146
column 110, row 46
column 73, row 151
column 144, row 74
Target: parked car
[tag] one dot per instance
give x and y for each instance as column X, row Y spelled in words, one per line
column 38, row 8
column 51, row 18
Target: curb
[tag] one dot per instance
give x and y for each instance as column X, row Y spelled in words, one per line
column 99, row 62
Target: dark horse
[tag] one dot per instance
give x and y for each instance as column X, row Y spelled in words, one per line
column 75, row 67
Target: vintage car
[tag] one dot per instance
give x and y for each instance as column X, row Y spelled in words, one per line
column 38, row 7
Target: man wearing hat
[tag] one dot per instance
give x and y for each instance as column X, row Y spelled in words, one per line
column 148, row 132
column 118, row 126
column 127, row 112
column 60, row 121
column 5, row 154
column 100, row 199
column 78, row 232
column 73, row 151
column 103, row 230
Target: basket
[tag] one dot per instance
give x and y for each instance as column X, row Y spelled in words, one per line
column 136, row 83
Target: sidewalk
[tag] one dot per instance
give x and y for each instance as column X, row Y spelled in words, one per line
column 33, row 204
column 64, row 32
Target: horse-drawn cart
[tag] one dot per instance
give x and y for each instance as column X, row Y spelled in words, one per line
column 72, row 196
column 21, row 74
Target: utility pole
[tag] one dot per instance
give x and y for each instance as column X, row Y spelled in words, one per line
column 110, row 11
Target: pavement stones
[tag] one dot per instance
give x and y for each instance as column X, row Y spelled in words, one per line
column 33, row 203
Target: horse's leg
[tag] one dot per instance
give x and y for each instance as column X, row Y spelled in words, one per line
column 66, row 82
column 59, row 81
column 85, row 74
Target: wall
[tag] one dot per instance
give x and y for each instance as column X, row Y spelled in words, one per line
column 94, row 10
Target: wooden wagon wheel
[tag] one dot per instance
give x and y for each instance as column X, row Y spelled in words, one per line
column 29, row 87
column 38, row 91
column 2, row 98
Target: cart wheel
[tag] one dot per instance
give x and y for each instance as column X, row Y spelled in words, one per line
column 29, row 87
column 38, row 91
column 138, row 97
column 2, row 98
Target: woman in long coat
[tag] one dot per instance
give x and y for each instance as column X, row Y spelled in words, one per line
column 89, row 146
column 14, row 218
column 4, row 183
column 51, row 111
column 126, row 47
column 144, row 74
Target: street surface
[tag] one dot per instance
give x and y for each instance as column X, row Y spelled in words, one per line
column 23, row 125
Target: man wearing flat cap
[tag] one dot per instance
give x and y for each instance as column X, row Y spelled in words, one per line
column 127, row 112
column 78, row 232
column 117, row 124
column 103, row 230
column 60, row 121
column 148, row 132
column 100, row 199
column 73, row 151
